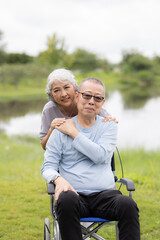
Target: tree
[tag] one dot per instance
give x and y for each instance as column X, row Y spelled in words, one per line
column 85, row 61
column 138, row 78
column 18, row 58
column 2, row 50
column 55, row 52
column 135, row 61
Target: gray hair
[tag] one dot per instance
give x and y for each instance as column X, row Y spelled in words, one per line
column 61, row 75
column 92, row 79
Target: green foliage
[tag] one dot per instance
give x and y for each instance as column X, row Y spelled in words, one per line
column 84, row 61
column 24, row 74
column 87, row 61
column 135, row 62
column 139, row 79
column 12, row 58
column 2, row 45
column 2, row 50
column 55, row 52
column 22, row 58
column 80, row 59
column 3, row 56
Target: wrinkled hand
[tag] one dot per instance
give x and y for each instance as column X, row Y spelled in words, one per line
column 57, row 122
column 109, row 119
column 69, row 128
column 62, row 186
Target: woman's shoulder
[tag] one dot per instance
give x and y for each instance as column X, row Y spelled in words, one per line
column 49, row 105
column 105, row 124
column 103, row 112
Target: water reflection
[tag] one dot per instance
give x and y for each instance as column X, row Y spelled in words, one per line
column 17, row 109
column 28, row 124
column 137, row 127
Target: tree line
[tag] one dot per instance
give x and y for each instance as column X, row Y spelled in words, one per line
column 56, row 55
column 138, row 76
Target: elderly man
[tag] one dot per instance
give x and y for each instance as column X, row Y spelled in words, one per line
column 78, row 161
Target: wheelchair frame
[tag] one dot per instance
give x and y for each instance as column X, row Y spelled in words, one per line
column 94, row 223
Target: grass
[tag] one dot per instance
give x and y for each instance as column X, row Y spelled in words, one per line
column 24, row 203
column 21, row 93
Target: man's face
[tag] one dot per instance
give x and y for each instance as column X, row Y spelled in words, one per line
column 90, row 106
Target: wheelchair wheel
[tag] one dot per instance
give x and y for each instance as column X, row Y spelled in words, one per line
column 57, row 235
column 47, row 229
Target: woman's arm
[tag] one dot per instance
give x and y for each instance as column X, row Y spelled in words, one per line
column 54, row 123
column 45, row 139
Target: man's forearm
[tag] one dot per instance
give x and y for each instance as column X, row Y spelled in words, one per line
column 73, row 133
column 49, row 174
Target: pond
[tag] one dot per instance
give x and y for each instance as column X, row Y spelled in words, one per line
column 138, row 128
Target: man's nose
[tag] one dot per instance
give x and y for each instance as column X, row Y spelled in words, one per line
column 91, row 101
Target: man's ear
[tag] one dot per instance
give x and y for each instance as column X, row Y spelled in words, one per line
column 103, row 101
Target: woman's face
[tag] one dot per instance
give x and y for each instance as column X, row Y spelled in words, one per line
column 63, row 93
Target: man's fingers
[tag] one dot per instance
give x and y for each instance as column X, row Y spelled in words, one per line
column 56, row 197
column 72, row 189
column 57, row 193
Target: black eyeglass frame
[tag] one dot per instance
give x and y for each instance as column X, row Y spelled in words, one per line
column 88, row 96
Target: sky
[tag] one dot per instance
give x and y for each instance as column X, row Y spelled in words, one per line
column 104, row 27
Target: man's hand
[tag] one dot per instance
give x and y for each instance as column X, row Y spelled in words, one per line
column 69, row 128
column 62, row 186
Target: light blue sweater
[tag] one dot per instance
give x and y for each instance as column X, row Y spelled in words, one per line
column 85, row 162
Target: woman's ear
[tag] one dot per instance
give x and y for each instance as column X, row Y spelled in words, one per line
column 76, row 95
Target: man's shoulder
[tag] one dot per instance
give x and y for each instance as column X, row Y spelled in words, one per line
column 105, row 124
column 74, row 118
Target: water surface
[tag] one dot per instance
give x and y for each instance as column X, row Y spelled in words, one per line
column 138, row 128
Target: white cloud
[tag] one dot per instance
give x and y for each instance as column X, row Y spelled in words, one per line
column 106, row 26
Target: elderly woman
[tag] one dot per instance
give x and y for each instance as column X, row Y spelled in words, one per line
column 61, row 87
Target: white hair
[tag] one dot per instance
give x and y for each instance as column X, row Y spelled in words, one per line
column 92, row 79
column 61, row 75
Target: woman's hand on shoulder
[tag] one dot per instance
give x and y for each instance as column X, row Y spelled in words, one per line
column 57, row 122
column 109, row 119
column 69, row 128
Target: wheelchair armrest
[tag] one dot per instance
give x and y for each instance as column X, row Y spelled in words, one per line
column 50, row 188
column 129, row 183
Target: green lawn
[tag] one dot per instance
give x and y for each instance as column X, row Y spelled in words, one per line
column 21, row 93
column 24, row 203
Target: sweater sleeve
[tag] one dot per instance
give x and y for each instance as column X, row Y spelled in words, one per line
column 102, row 150
column 44, row 126
column 52, row 157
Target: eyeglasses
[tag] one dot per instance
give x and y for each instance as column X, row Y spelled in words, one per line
column 89, row 96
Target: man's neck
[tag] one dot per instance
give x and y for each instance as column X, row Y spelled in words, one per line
column 69, row 111
column 86, row 122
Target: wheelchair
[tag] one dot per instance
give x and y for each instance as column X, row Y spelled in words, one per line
column 93, row 224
